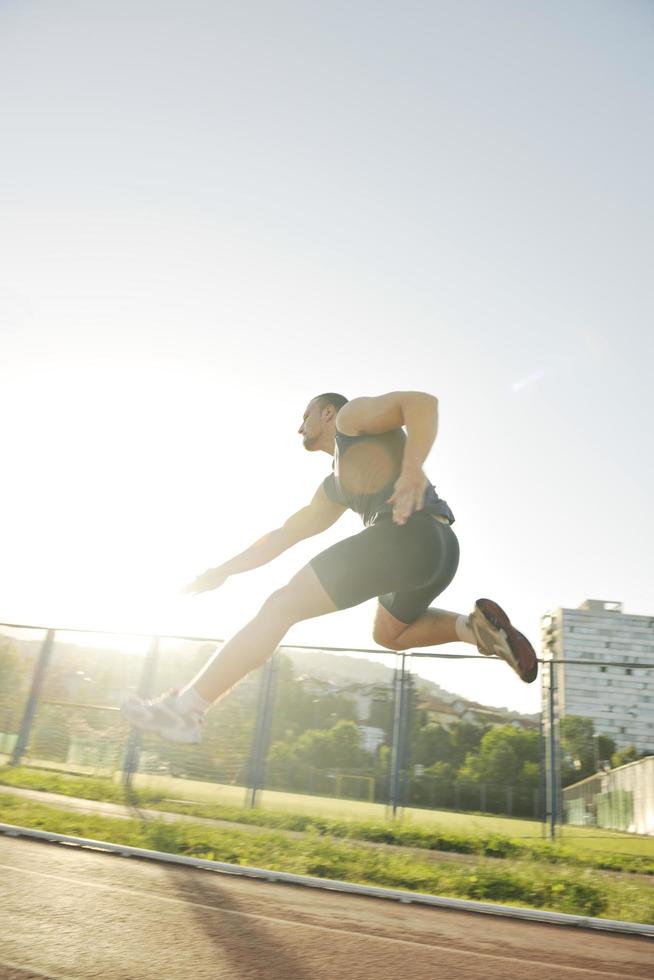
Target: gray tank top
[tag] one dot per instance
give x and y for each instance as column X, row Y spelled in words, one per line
column 364, row 473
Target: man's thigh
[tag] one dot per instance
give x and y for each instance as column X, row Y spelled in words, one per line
column 303, row 597
column 383, row 558
column 408, row 605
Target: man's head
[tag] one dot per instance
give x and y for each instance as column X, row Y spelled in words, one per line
column 319, row 422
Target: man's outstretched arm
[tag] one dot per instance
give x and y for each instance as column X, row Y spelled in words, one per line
column 418, row 413
column 316, row 517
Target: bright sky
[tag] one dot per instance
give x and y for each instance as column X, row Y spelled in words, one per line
column 213, row 211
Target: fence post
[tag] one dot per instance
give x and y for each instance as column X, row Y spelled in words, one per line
column 33, row 698
column 145, row 690
column 397, row 752
column 542, row 784
column 552, row 753
column 482, row 797
column 404, row 771
column 262, row 726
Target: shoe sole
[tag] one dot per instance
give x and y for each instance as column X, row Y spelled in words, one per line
column 513, row 647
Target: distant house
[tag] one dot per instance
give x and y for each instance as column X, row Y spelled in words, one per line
column 316, row 685
column 362, row 696
column 448, row 713
column 484, row 715
column 441, row 712
column 371, row 738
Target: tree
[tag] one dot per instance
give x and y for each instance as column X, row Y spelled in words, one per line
column 583, row 749
column 621, row 758
column 435, row 743
column 465, row 737
column 338, row 748
column 605, row 749
column 381, row 712
column 508, row 758
column 298, row 709
column 577, row 746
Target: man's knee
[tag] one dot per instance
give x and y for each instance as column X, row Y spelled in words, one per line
column 384, row 638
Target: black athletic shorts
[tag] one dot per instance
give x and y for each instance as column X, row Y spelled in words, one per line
column 405, row 565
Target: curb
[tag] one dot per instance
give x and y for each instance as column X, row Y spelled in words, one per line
column 328, row 884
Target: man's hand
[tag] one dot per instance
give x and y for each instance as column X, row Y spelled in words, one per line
column 409, row 494
column 213, row 578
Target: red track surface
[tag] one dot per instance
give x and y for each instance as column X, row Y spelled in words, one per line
column 72, row 913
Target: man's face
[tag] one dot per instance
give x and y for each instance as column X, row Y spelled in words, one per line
column 311, row 428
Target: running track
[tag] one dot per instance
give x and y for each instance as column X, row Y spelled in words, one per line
column 77, row 913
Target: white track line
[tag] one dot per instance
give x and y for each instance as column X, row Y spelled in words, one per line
column 331, row 929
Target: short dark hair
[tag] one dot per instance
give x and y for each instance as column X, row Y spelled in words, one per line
column 330, row 398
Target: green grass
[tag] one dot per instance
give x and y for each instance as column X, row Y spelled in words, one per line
column 474, row 836
column 515, row 882
column 273, row 801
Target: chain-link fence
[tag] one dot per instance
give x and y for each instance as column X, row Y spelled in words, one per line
column 353, row 733
column 321, row 728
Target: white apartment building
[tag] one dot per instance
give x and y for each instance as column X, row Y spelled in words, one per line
column 606, row 687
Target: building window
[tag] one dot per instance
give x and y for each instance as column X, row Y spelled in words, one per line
column 628, row 671
column 602, row 670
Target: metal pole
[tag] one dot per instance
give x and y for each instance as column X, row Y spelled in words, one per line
column 396, row 758
column 542, row 788
column 262, row 729
column 145, row 690
column 553, row 753
column 403, row 750
column 33, row 698
column 402, row 743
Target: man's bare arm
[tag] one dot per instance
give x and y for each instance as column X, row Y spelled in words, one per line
column 316, row 517
column 418, row 412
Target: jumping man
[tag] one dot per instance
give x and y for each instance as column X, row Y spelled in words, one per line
column 405, row 557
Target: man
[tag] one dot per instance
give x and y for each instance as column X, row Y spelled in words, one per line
column 406, row 556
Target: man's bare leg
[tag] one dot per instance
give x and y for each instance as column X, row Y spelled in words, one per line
column 177, row 716
column 303, row 598
column 434, row 627
column 487, row 627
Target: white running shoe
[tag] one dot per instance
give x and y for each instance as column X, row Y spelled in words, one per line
column 163, row 717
